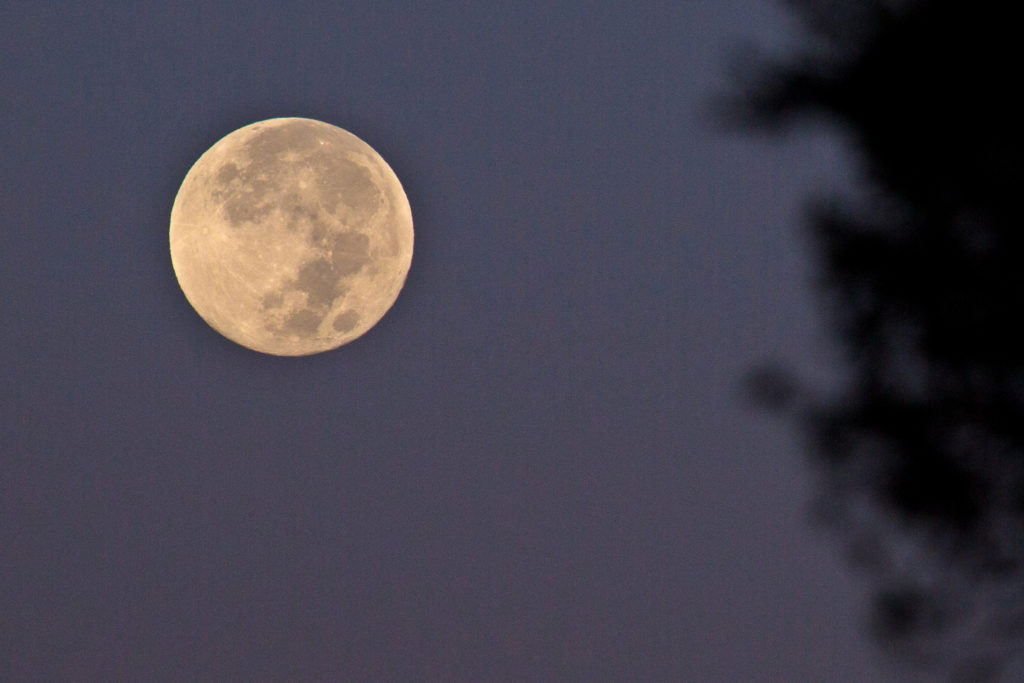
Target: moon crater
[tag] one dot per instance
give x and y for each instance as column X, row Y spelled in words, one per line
column 291, row 236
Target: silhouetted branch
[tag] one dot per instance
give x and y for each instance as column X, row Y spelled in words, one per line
column 920, row 268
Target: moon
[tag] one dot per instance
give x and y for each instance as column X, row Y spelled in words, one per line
column 291, row 236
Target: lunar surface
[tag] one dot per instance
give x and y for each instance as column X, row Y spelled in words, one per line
column 291, row 236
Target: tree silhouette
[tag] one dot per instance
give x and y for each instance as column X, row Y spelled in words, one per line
column 920, row 265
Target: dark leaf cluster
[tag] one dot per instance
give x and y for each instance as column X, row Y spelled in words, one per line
column 921, row 266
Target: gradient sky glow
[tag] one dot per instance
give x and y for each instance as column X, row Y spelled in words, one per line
column 536, row 467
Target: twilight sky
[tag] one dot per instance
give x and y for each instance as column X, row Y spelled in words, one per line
column 536, row 467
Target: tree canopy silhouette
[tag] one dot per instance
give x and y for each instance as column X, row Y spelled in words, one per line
column 921, row 270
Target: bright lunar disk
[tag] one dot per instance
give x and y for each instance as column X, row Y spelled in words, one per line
column 291, row 236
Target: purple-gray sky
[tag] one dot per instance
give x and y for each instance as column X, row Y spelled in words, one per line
column 536, row 467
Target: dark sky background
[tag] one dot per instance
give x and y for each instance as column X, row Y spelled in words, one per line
column 536, row 467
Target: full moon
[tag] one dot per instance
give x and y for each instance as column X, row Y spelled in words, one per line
column 291, row 236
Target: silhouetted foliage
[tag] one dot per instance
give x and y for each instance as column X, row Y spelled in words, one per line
column 921, row 269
